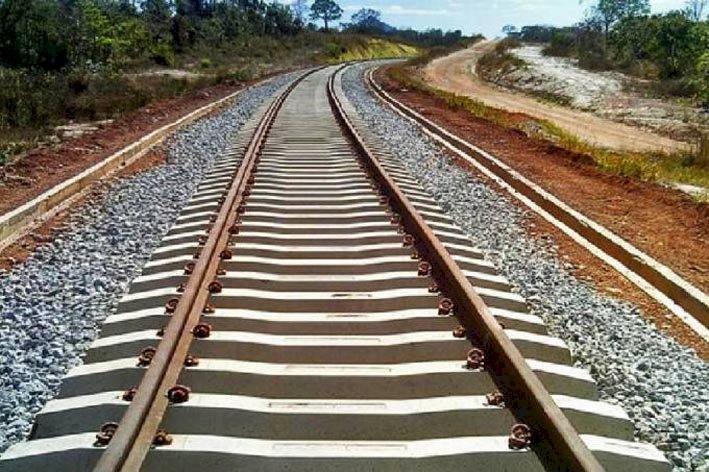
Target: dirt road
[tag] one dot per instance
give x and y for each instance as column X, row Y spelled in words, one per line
column 456, row 73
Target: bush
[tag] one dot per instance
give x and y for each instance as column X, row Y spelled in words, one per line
column 205, row 63
column 563, row 44
column 499, row 61
column 162, row 54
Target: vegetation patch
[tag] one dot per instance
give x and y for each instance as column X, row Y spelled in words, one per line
column 376, row 49
column 499, row 61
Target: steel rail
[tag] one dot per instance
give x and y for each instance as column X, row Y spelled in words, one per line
column 527, row 397
column 138, row 427
column 657, row 280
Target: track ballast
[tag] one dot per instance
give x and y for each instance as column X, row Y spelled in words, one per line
column 299, row 317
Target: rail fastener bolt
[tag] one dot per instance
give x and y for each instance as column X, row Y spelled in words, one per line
column 445, row 307
column 475, row 359
column 424, row 269
column 189, row 268
column 460, row 332
column 146, row 356
column 202, row 330
column 226, row 254
column 162, row 439
column 495, row 398
column 409, row 240
column 214, row 286
column 105, row 434
column 208, row 309
column 178, row 394
column 171, row 305
column 191, row 360
column 433, row 288
column 520, row 437
column 129, row 394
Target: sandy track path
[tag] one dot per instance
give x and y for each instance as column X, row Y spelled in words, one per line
column 456, row 73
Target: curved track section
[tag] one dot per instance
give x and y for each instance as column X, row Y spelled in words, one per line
column 323, row 339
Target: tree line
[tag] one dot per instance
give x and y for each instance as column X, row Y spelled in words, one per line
column 54, row 35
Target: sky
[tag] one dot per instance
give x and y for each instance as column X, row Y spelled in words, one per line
column 480, row 16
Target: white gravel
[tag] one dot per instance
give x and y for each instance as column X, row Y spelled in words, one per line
column 51, row 307
column 663, row 386
column 561, row 76
column 609, row 94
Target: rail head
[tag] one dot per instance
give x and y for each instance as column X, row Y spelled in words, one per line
column 528, row 399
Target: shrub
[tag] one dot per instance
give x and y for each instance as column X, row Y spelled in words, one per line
column 563, row 44
column 162, row 54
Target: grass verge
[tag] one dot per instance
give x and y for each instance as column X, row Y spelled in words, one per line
column 688, row 167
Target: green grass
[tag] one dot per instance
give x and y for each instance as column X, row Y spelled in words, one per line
column 690, row 167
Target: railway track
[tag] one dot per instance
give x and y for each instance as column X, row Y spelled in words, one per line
column 313, row 309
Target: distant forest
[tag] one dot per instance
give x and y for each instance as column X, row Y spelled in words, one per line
column 61, row 34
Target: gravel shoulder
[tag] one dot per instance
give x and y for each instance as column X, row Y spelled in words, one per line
column 456, row 73
column 662, row 385
column 52, row 305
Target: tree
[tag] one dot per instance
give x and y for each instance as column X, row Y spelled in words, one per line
column 366, row 16
column 326, row 10
column 367, row 20
column 609, row 12
column 300, row 7
column 158, row 16
column 509, row 29
column 695, row 9
column 31, row 34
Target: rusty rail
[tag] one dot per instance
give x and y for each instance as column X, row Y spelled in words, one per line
column 524, row 392
column 138, row 428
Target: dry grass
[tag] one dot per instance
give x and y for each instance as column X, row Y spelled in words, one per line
column 376, row 49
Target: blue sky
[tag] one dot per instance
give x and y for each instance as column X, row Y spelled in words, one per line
column 485, row 16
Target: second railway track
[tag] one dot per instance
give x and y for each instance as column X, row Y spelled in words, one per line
column 314, row 309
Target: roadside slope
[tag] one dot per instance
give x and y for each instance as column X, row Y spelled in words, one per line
column 456, row 73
